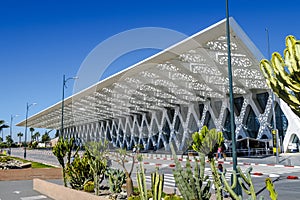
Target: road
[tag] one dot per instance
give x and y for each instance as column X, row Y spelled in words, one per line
column 19, row 190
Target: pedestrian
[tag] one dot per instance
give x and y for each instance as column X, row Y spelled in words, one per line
column 220, row 168
column 219, row 152
column 224, row 151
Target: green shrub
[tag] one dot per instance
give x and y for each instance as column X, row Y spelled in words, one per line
column 89, row 186
column 4, row 159
column 172, row 197
column 134, row 198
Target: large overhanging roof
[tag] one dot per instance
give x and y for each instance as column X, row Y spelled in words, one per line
column 192, row 70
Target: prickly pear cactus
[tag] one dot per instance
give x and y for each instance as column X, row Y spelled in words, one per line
column 283, row 73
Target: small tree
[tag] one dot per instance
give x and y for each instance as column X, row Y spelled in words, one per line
column 9, row 141
column 122, row 158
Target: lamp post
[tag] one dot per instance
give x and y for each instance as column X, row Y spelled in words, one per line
column 27, row 108
column 62, row 101
column 10, row 131
column 274, row 130
column 237, row 189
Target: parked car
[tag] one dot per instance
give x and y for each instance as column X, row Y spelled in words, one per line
column 293, row 147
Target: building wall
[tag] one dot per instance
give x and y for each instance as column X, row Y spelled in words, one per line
column 158, row 128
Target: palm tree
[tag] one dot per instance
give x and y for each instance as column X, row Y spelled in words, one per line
column 36, row 136
column 46, row 137
column 31, row 131
column 20, row 135
column 2, row 126
column 9, row 140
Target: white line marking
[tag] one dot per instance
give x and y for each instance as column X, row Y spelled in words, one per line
column 34, row 197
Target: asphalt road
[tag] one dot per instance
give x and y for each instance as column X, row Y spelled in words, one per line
column 19, row 190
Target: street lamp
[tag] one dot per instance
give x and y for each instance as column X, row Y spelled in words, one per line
column 11, row 120
column 27, row 108
column 62, row 101
column 237, row 189
column 274, row 130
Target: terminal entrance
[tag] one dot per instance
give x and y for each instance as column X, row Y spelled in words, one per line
column 252, row 147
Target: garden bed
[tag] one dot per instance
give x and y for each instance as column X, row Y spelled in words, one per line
column 30, row 173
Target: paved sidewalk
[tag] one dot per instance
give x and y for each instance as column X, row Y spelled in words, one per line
column 284, row 159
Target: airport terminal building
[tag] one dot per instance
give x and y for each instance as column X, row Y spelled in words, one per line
column 169, row 96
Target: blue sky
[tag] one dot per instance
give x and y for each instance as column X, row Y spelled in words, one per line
column 43, row 39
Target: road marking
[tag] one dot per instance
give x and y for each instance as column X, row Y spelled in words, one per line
column 16, row 192
column 34, row 197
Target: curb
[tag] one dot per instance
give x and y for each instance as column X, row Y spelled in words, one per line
column 292, row 177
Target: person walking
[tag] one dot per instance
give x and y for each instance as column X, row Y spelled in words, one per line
column 219, row 152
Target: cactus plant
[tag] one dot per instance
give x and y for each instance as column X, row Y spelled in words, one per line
column 271, row 189
column 141, row 181
column 157, row 183
column 116, row 179
column 89, row 186
column 63, row 148
column 78, row 172
column 190, row 184
column 245, row 181
column 98, row 162
column 283, row 74
column 206, row 143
